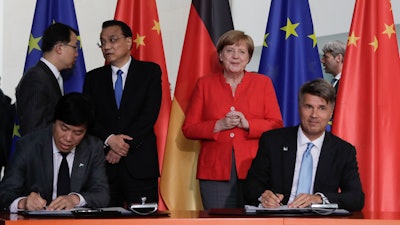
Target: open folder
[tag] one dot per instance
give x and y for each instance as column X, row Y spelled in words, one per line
column 285, row 210
column 87, row 212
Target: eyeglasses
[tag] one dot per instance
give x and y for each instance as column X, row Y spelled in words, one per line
column 72, row 46
column 111, row 40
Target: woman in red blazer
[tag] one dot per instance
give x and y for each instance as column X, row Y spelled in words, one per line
column 228, row 112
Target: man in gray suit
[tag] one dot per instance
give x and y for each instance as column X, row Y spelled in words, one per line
column 42, row 86
column 31, row 181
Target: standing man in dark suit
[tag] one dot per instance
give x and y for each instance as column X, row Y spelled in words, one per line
column 274, row 176
column 7, row 113
column 126, row 124
column 333, row 59
column 42, row 86
column 32, row 181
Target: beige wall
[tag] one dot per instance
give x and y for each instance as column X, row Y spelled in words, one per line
column 330, row 17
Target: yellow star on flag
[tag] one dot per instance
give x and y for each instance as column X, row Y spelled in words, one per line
column 156, row 26
column 389, row 30
column 290, row 28
column 139, row 41
column 16, row 131
column 34, row 43
column 265, row 44
column 80, row 42
column 352, row 39
column 314, row 38
column 374, row 43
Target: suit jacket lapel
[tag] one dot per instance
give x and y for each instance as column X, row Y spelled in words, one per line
column 289, row 159
column 129, row 80
column 79, row 167
column 324, row 162
column 53, row 80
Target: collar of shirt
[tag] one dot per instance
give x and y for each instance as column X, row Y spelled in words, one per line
column 337, row 77
column 124, row 69
column 53, row 68
column 302, row 140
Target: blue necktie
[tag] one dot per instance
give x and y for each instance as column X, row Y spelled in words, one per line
column 118, row 88
column 305, row 176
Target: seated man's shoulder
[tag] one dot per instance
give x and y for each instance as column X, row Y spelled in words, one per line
column 280, row 132
column 340, row 143
column 91, row 140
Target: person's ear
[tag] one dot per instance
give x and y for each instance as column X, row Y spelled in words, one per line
column 339, row 58
column 58, row 48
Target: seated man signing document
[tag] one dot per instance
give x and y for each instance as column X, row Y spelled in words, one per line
column 60, row 167
column 302, row 165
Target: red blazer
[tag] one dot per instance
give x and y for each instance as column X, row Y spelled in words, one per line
column 211, row 100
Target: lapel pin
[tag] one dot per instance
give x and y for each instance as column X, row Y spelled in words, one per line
column 285, row 148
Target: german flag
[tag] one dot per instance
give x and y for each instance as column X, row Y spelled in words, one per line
column 208, row 20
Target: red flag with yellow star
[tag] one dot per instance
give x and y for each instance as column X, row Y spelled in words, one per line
column 142, row 17
column 367, row 112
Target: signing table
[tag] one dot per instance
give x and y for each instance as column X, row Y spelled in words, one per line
column 209, row 218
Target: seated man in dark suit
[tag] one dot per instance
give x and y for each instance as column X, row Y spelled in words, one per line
column 32, row 181
column 278, row 173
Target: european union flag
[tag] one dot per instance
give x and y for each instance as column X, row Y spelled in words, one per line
column 290, row 54
column 46, row 13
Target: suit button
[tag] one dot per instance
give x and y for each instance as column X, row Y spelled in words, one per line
column 232, row 135
column 232, row 108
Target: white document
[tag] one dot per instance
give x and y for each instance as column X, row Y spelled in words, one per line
column 250, row 208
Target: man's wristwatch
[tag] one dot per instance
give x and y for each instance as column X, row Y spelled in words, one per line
column 323, row 197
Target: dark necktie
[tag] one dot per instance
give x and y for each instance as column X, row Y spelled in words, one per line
column 118, row 88
column 64, row 181
column 305, row 175
column 333, row 81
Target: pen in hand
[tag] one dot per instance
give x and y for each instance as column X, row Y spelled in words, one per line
column 280, row 202
column 44, row 207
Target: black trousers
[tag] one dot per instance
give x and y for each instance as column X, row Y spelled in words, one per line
column 126, row 189
column 223, row 194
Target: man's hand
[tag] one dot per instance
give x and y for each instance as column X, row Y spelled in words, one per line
column 118, row 144
column 64, row 202
column 112, row 157
column 271, row 200
column 33, row 202
column 305, row 200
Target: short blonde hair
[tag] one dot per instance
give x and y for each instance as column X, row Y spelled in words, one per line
column 233, row 37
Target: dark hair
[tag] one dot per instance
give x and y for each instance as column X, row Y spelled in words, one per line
column 233, row 37
column 318, row 87
column 56, row 33
column 74, row 109
column 126, row 30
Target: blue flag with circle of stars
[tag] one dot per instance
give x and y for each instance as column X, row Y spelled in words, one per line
column 46, row 13
column 290, row 54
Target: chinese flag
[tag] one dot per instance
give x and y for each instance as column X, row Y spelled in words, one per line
column 367, row 112
column 208, row 20
column 142, row 17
